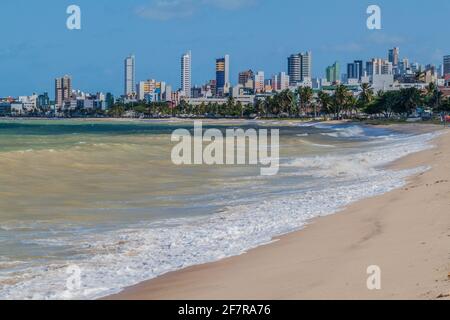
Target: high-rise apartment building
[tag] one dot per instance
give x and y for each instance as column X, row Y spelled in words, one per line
column 378, row 67
column 394, row 57
column 186, row 74
column 294, row 69
column 152, row 91
column 246, row 78
column 334, row 73
column 416, row 67
column 387, row 68
column 351, row 73
column 280, row 82
column 222, row 74
column 306, row 66
column 355, row 70
column 63, row 90
column 43, row 100
column 130, row 76
column 446, row 65
column 259, row 82
column 284, row 81
column 404, row 66
column 299, row 67
column 369, row 68
column 145, row 88
column 275, row 82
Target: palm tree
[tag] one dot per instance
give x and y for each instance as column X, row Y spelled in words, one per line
column 286, row 101
column 229, row 107
column 366, row 95
column 117, row 111
column 305, row 95
column 410, row 98
column 352, row 104
column 431, row 88
column 261, row 107
column 291, row 102
column 433, row 96
column 445, row 105
column 324, row 99
column 340, row 99
column 272, row 106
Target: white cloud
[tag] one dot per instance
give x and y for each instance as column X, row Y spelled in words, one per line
column 172, row 9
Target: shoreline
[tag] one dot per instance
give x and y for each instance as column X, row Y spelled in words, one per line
column 378, row 122
column 331, row 254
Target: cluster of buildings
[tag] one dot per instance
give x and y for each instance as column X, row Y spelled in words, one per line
column 383, row 74
column 24, row 105
column 251, row 85
column 66, row 99
column 149, row 90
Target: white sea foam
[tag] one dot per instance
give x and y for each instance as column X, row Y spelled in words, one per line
column 362, row 163
column 347, row 132
column 119, row 259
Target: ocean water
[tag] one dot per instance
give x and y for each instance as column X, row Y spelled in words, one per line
column 106, row 198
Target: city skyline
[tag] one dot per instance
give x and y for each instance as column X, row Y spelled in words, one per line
column 95, row 62
column 278, row 81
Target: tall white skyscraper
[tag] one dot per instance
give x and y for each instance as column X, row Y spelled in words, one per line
column 227, row 69
column 130, row 76
column 186, row 74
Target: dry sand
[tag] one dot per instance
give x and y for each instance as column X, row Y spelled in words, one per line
column 405, row 232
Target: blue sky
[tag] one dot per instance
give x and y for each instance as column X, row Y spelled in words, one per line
column 36, row 46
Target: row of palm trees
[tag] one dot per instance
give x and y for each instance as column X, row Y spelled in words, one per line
column 304, row 102
column 343, row 103
column 406, row 101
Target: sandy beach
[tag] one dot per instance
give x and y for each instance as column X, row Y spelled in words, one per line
column 405, row 232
